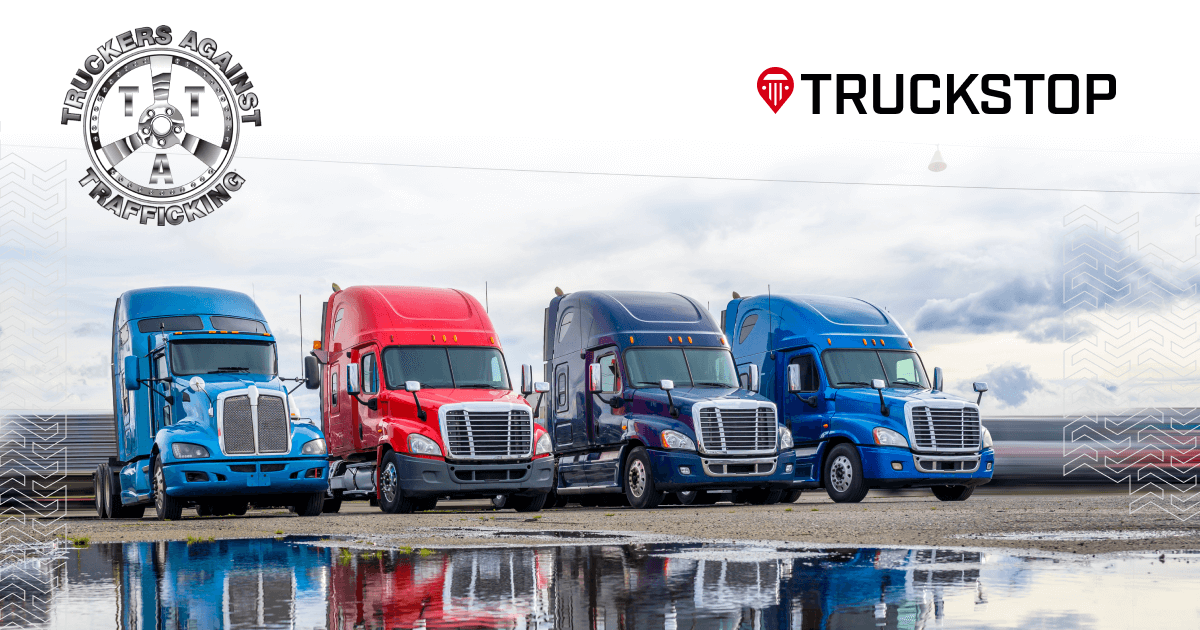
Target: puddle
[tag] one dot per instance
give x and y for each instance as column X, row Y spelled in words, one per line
column 305, row 583
column 1083, row 535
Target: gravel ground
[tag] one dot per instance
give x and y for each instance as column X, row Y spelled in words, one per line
column 1076, row 523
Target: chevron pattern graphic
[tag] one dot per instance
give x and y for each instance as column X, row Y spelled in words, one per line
column 1132, row 319
column 32, row 379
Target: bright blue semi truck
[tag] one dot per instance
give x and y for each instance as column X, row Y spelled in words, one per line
column 202, row 419
column 862, row 411
column 644, row 400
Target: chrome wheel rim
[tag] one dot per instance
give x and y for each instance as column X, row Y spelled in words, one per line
column 841, row 473
column 159, row 484
column 388, row 482
column 637, row 478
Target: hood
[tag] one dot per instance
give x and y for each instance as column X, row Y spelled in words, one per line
column 654, row 401
column 863, row 400
column 400, row 403
column 197, row 404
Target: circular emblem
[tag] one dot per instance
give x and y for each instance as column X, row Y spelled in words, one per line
column 161, row 126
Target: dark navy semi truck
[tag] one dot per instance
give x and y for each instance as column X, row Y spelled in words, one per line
column 861, row 408
column 202, row 419
column 644, row 400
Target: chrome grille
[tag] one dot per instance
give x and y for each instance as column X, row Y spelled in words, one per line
column 738, row 431
column 238, row 429
column 489, row 435
column 272, row 425
column 953, row 429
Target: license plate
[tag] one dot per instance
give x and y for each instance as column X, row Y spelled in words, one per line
column 258, row 480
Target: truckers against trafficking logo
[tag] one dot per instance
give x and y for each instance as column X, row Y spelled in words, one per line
column 161, row 122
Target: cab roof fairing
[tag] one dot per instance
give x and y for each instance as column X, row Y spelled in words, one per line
column 811, row 320
column 611, row 317
column 394, row 315
column 174, row 301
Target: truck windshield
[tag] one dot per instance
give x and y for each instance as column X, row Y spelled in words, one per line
column 445, row 368
column 687, row 367
column 857, row 368
column 189, row 358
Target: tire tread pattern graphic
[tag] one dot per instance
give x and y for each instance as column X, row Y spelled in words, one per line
column 32, row 378
column 1132, row 322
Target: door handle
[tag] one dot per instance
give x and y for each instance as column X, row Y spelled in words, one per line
column 811, row 401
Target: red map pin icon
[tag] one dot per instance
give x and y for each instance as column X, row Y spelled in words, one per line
column 775, row 86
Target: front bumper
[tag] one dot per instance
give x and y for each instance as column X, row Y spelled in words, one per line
column 705, row 472
column 245, row 478
column 420, row 477
column 918, row 470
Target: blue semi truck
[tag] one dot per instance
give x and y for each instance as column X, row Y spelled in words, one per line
column 863, row 412
column 643, row 400
column 202, row 419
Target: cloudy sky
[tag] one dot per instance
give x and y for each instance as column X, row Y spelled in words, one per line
column 617, row 147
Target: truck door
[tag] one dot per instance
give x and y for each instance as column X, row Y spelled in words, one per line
column 367, row 420
column 605, row 424
column 564, row 431
column 807, row 410
column 160, row 411
column 333, row 403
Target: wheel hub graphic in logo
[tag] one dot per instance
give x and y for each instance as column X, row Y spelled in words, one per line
column 154, row 152
column 161, row 124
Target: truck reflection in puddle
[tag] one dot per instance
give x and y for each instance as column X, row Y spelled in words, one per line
column 296, row 583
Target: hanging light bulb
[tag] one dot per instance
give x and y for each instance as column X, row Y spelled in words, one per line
column 937, row 164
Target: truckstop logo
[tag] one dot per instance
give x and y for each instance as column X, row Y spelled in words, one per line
column 161, row 124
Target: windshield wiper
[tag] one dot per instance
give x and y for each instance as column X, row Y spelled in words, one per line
column 714, row 384
column 907, row 384
column 854, row 383
column 479, row 386
column 227, row 370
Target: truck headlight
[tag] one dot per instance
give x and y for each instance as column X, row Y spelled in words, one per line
column 315, row 447
column 677, row 440
column 987, row 438
column 888, row 437
column 421, row 445
column 184, row 450
column 544, row 445
column 785, row 438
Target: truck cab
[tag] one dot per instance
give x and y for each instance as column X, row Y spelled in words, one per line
column 861, row 408
column 644, row 400
column 417, row 403
column 202, row 419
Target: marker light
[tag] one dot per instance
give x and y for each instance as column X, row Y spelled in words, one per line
column 864, row 342
column 689, row 340
column 630, row 339
column 910, row 344
column 829, row 340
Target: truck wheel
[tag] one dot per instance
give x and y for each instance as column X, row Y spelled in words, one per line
column 790, row 496
column 311, row 504
column 391, row 497
column 333, row 505
column 499, row 501
column 168, row 508
column 696, row 497
column 100, row 490
column 953, row 493
column 639, row 481
column 844, row 475
column 204, row 508
column 758, row 496
column 527, row 504
column 130, row 511
column 425, row 504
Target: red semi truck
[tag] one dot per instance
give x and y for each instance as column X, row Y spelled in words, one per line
column 417, row 403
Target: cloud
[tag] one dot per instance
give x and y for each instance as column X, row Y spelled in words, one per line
column 1009, row 383
column 91, row 329
column 1030, row 306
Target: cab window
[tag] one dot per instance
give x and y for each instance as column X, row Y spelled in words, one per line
column 747, row 327
column 333, row 389
column 610, row 376
column 810, row 379
column 370, row 375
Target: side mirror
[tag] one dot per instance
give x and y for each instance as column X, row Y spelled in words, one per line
column 937, row 379
column 595, row 378
column 527, row 379
column 131, row 373
column 878, row 385
column 753, row 378
column 665, row 385
column 793, row 378
column 312, row 372
column 979, row 389
column 352, row 378
column 412, row 386
column 541, row 387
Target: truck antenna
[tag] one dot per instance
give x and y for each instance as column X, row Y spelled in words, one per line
column 770, row 324
column 486, row 308
column 301, row 296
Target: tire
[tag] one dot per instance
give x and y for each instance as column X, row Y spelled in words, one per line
column 204, row 508
column 130, row 511
column 166, row 507
column 560, row 501
column 333, row 505
column 500, row 501
column 391, row 496
column 758, row 496
column 589, row 500
column 311, row 504
column 100, row 491
column 687, row 497
column 527, row 504
column 790, row 496
column 425, row 504
column 953, row 493
column 843, row 475
column 639, row 481
column 670, row 498
column 239, row 508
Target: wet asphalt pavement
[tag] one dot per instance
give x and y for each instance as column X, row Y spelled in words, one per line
column 1073, row 523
